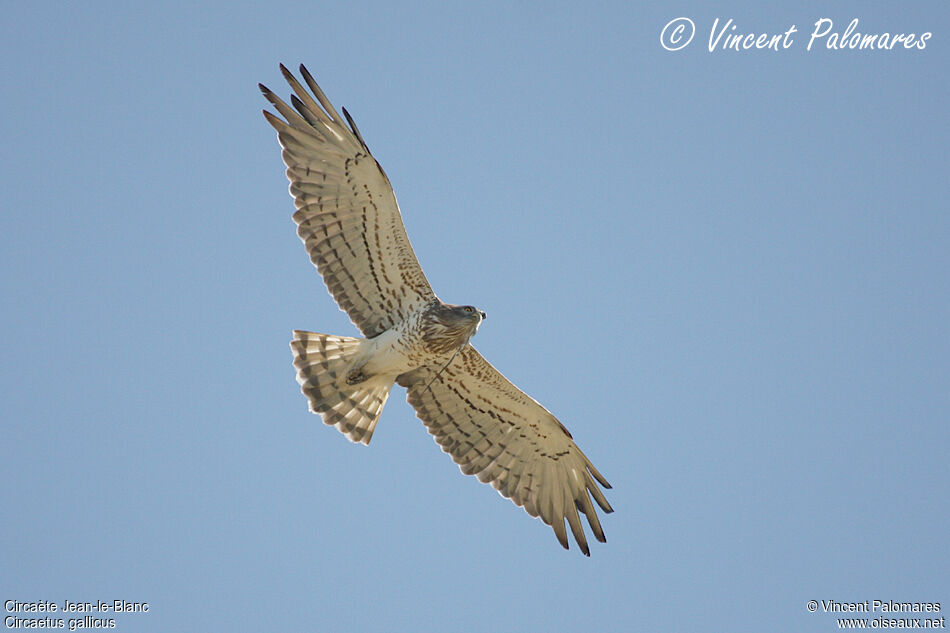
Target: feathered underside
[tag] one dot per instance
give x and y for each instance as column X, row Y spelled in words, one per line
column 348, row 218
column 347, row 215
column 495, row 431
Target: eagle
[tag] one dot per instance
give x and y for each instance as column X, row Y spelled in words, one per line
column 350, row 223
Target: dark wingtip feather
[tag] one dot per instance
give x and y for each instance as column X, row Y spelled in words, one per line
column 561, row 535
column 306, row 74
column 355, row 129
column 302, row 108
column 277, row 122
column 600, row 478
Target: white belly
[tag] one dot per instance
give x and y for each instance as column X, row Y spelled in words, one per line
column 387, row 356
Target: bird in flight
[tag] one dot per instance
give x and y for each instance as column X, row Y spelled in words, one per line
column 350, row 223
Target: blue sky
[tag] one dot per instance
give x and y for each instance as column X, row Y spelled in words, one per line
column 728, row 273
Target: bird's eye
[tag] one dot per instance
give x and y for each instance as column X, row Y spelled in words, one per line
column 469, row 308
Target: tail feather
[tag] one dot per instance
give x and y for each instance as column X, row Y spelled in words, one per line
column 324, row 363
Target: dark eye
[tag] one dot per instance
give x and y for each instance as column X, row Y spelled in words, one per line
column 469, row 308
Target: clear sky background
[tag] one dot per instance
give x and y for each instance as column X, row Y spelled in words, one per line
column 727, row 273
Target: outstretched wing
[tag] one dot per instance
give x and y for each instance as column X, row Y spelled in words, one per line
column 347, row 215
column 495, row 431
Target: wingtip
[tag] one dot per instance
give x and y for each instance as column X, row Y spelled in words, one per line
column 562, row 536
column 306, row 74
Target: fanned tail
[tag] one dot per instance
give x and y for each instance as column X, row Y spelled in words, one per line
column 328, row 373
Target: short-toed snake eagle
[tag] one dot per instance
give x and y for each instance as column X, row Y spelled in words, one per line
column 348, row 219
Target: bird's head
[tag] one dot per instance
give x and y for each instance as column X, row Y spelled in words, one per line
column 450, row 327
column 461, row 317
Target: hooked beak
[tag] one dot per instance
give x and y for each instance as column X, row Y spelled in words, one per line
column 484, row 316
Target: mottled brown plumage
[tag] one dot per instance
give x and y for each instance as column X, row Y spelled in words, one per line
column 349, row 221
